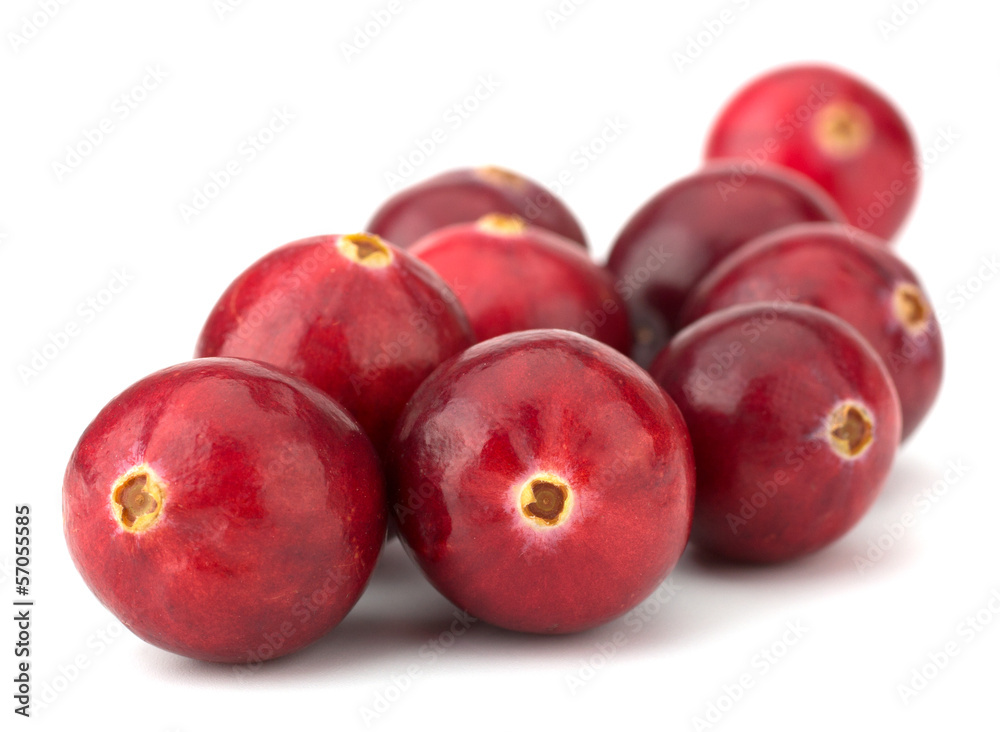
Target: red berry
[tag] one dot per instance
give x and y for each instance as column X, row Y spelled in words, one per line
column 224, row 511
column 852, row 275
column 690, row 226
column 794, row 422
column 837, row 130
column 465, row 195
column 362, row 320
column 511, row 277
column 543, row 482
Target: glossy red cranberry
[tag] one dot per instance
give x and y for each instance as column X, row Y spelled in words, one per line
column 511, row 277
column 543, row 482
column 224, row 511
column 690, row 226
column 465, row 195
column 794, row 422
column 834, row 128
column 852, row 275
column 364, row 321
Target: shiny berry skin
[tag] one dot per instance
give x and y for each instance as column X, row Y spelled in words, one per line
column 689, row 227
column 794, row 422
column 224, row 510
column 543, row 482
column 852, row 275
column 466, row 195
column 511, row 277
column 364, row 321
column 834, row 128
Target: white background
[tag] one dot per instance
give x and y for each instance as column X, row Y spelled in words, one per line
column 64, row 238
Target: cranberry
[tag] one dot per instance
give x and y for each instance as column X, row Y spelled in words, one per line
column 688, row 227
column 543, row 482
column 363, row 320
column 510, row 277
column 852, row 275
column 224, row 511
column 794, row 422
column 833, row 127
column 465, row 195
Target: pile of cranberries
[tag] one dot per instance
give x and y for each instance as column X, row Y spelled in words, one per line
column 543, row 433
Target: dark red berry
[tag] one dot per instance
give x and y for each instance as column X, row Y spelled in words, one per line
column 511, row 277
column 364, row 321
column 834, row 128
column 794, row 422
column 852, row 275
column 689, row 227
column 543, row 482
column 465, row 195
column 224, row 510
